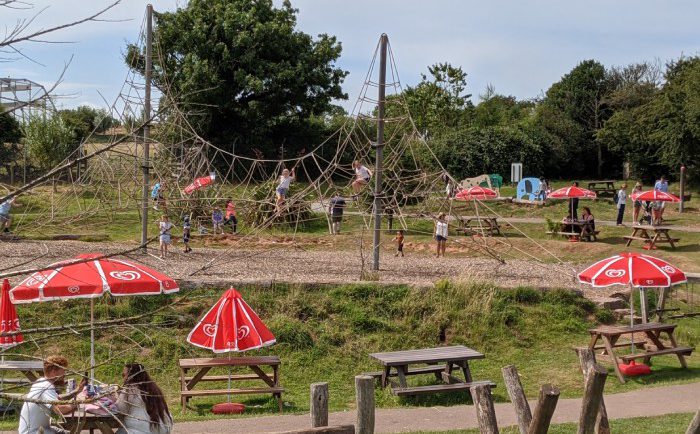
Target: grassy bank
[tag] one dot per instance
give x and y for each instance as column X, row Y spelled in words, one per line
column 326, row 334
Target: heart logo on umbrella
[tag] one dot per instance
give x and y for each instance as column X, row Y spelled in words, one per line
column 243, row 332
column 125, row 275
column 209, row 330
column 615, row 273
column 73, row 289
column 668, row 269
column 36, row 280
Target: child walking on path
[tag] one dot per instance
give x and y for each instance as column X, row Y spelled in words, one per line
column 217, row 220
column 186, row 230
column 164, row 226
column 282, row 188
column 399, row 243
column 441, row 230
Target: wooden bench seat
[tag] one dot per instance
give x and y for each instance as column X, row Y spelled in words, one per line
column 411, row 371
column 638, row 344
column 685, row 351
column 239, row 377
column 241, row 391
column 566, row 234
column 234, row 361
column 437, row 388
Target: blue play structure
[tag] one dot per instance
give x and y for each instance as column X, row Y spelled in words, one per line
column 527, row 189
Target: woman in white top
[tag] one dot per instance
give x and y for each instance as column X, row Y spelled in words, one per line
column 164, row 226
column 441, row 234
column 362, row 176
column 141, row 405
column 283, row 187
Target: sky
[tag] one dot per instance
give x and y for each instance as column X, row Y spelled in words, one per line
column 519, row 47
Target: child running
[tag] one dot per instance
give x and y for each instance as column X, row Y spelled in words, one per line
column 285, row 180
column 186, row 229
column 217, row 220
column 399, row 243
column 441, row 234
column 165, row 226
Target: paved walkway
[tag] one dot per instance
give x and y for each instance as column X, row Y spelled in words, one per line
column 651, row 401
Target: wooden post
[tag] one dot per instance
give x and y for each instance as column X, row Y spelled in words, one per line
column 661, row 303
column 694, row 427
column 549, row 395
column 586, row 358
column 517, row 397
column 682, row 187
column 319, row 404
column 364, row 396
column 485, row 412
column 592, row 397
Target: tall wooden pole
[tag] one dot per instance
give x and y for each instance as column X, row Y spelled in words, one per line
column 682, row 183
column 146, row 128
column 379, row 147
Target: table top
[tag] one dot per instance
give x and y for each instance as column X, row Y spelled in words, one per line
column 653, row 228
column 233, row 361
column 427, row 355
column 621, row 330
column 600, row 182
column 22, row 365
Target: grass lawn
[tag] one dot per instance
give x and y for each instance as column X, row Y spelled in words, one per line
column 667, row 424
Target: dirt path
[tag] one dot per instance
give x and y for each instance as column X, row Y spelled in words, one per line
column 651, row 401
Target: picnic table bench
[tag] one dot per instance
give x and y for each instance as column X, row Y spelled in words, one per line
column 479, row 225
column 200, row 368
column 31, row 369
column 440, row 361
column 651, row 345
column 602, row 187
column 661, row 235
column 587, row 232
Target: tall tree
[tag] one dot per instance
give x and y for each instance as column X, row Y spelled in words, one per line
column 243, row 73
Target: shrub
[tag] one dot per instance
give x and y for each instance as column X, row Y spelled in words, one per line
column 290, row 332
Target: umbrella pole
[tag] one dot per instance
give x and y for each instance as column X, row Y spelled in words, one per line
column 228, row 397
column 478, row 220
column 92, row 340
column 632, row 314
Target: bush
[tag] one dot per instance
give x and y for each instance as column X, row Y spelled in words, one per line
column 290, row 332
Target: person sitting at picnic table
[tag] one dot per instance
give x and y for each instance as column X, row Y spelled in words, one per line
column 35, row 417
column 441, row 231
column 141, row 405
column 362, row 177
column 5, row 217
column 231, row 215
column 637, row 205
column 660, row 206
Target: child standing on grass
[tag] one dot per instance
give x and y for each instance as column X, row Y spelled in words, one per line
column 186, row 229
column 164, row 226
column 441, row 234
column 217, row 220
column 399, row 243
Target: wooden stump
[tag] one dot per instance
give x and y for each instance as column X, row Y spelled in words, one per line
column 694, row 427
column 319, row 404
column 485, row 412
column 586, row 358
column 549, row 396
column 364, row 395
column 517, row 397
column 592, row 397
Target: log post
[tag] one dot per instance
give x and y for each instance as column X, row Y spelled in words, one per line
column 319, row 405
column 549, row 395
column 485, row 412
column 586, row 358
column 517, row 397
column 364, row 396
column 592, row 397
column 694, row 427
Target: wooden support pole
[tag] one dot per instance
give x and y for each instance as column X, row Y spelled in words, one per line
column 694, row 427
column 549, row 395
column 592, row 397
column 319, row 404
column 485, row 412
column 517, row 397
column 586, row 358
column 661, row 303
column 364, row 396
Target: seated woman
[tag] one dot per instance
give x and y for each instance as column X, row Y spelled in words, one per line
column 589, row 220
column 141, row 404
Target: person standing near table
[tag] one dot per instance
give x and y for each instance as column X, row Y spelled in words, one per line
column 337, row 205
column 660, row 185
column 573, row 204
column 637, row 203
column 621, row 202
column 35, row 417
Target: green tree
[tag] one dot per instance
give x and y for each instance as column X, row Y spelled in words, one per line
column 495, row 109
column 49, row 140
column 243, row 73
column 10, row 136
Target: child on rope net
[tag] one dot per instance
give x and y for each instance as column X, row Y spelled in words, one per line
column 399, row 242
column 164, row 225
column 441, row 231
column 283, row 188
column 362, row 177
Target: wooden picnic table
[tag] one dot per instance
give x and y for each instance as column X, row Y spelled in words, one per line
column 610, row 335
column 80, row 420
column 440, row 361
column 31, row 369
column 200, row 368
column 602, row 187
column 661, row 235
column 479, row 225
column 586, row 233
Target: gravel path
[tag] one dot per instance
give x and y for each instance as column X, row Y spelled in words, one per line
column 280, row 261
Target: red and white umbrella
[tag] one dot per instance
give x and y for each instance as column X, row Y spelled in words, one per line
column 632, row 269
column 654, row 196
column 9, row 322
column 65, row 280
column 231, row 325
column 200, row 183
column 572, row 192
column 476, row 193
